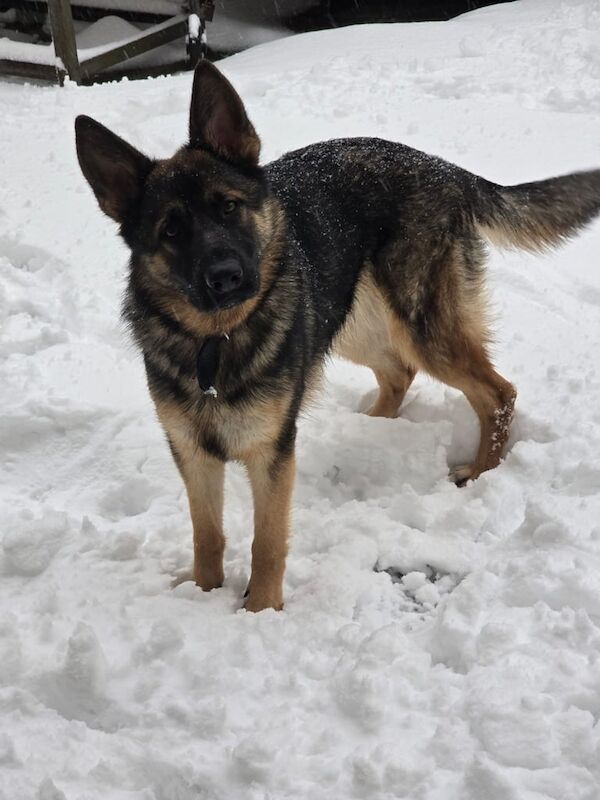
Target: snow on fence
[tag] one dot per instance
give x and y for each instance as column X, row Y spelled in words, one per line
column 86, row 64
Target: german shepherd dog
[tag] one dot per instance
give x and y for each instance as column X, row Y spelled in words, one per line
column 243, row 278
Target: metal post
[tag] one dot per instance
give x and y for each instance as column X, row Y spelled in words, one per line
column 201, row 12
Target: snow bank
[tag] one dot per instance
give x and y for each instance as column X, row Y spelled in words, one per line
column 437, row 644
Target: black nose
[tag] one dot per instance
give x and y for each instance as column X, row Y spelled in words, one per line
column 224, row 276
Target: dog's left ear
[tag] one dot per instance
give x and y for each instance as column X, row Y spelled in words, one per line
column 218, row 118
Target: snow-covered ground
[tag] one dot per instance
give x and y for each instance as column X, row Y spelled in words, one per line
column 437, row 643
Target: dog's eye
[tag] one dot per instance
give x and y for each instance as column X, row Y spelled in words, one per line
column 173, row 226
column 229, row 205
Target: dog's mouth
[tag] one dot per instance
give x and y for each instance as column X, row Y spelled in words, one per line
column 235, row 300
column 207, row 301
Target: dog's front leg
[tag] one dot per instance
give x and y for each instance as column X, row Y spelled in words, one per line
column 272, row 479
column 205, row 495
column 204, row 477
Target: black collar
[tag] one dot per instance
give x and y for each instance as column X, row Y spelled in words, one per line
column 207, row 364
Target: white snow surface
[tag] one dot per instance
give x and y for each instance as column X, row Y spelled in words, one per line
column 437, row 643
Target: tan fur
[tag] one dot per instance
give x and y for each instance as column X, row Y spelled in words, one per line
column 242, row 429
column 204, row 477
column 467, row 367
column 535, row 240
column 367, row 338
column 272, row 481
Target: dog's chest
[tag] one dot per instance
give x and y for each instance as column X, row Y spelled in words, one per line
column 230, row 433
column 238, row 431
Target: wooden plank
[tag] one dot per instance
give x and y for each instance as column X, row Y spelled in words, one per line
column 27, row 69
column 63, row 36
column 138, row 73
column 155, row 38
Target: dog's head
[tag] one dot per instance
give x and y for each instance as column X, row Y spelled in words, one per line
column 200, row 224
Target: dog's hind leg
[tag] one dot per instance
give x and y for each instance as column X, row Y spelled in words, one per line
column 440, row 323
column 491, row 396
column 394, row 379
column 463, row 363
column 366, row 339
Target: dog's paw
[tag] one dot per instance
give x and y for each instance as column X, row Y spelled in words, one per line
column 367, row 401
column 386, row 410
column 256, row 602
column 463, row 474
column 182, row 577
column 206, row 582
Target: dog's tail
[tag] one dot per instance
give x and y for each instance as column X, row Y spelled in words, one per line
column 539, row 215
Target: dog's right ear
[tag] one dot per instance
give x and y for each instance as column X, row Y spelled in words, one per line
column 115, row 170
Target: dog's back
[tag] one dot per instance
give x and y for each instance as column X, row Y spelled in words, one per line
column 382, row 210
